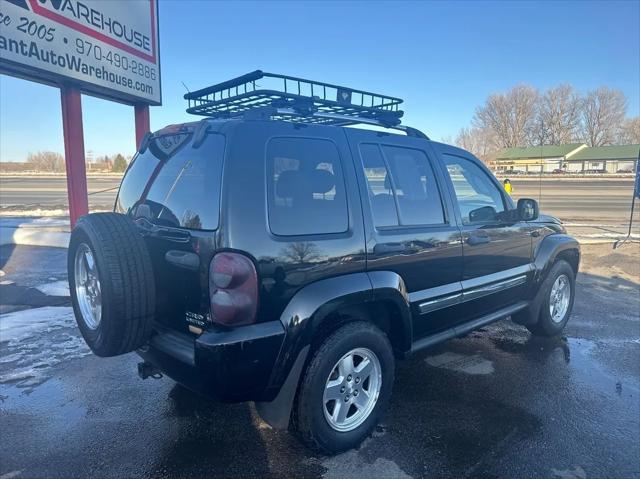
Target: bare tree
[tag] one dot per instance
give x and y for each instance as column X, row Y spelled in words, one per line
column 47, row 161
column 629, row 133
column 301, row 252
column 603, row 112
column 479, row 141
column 509, row 116
column 447, row 140
column 558, row 116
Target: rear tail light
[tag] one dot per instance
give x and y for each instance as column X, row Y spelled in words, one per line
column 233, row 289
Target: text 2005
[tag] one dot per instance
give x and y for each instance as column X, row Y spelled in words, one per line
column 30, row 27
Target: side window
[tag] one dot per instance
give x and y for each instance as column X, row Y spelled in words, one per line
column 305, row 187
column 402, row 186
column 383, row 204
column 479, row 198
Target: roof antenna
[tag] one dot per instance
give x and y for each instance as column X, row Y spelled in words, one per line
column 185, row 86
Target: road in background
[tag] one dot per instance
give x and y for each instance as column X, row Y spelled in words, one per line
column 29, row 192
column 570, row 199
column 578, row 198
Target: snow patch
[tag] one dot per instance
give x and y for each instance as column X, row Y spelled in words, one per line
column 34, row 341
column 464, row 364
column 610, row 235
column 576, row 473
column 11, row 475
column 56, row 288
column 34, row 212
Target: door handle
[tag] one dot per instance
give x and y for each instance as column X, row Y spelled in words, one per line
column 386, row 248
column 474, row 240
column 535, row 233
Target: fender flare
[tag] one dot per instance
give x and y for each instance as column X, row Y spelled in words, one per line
column 545, row 256
column 305, row 314
column 548, row 250
column 389, row 286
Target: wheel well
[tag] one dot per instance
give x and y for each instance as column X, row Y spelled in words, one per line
column 384, row 314
column 571, row 256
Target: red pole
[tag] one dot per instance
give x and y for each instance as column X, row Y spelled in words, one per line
column 74, row 153
column 142, row 122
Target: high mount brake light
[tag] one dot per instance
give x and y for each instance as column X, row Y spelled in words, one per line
column 233, row 289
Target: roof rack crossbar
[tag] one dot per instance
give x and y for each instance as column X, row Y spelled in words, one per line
column 287, row 98
column 409, row 131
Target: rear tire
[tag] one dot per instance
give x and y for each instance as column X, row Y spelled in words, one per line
column 111, row 283
column 558, row 291
column 363, row 392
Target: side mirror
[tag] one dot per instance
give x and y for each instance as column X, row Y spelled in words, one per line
column 528, row 209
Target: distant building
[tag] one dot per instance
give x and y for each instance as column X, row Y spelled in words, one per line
column 535, row 158
column 609, row 159
column 573, row 157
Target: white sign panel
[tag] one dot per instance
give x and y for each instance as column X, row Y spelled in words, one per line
column 109, row 47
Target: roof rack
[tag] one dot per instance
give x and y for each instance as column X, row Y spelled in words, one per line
column 282, row 97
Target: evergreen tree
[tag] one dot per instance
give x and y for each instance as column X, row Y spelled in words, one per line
column 119, row 164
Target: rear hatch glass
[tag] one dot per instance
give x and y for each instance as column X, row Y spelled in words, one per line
column 178, row 184
column 172, row 190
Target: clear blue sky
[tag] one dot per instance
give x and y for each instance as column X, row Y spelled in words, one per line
column 442, row 58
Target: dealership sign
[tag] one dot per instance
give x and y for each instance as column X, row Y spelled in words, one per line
column 108, row 48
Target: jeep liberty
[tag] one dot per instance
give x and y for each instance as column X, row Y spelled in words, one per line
column 271, row 253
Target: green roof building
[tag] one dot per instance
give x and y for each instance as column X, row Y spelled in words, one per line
column 536, row 158
column 572, row 157
column 610, row 159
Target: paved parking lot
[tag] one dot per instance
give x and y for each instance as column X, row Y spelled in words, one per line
column 496, row 403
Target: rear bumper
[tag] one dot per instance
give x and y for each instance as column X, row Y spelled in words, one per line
column 231, row 365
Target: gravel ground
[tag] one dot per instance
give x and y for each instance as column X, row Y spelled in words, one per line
column 496, row 403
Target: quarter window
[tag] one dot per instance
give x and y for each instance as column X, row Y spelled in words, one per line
column 479, row 198
column 305, row 187
column 401, row 185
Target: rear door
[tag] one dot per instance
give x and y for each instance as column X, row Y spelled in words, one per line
column 497, row 246
column 409, row 223
column 172, row 191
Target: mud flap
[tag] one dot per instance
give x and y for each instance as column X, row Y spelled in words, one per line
column 278, row 412
column 531, row 314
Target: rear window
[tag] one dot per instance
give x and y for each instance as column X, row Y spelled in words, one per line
column 305, row 187
column 179, row 184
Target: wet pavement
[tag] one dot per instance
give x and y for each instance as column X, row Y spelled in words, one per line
column 496, row 403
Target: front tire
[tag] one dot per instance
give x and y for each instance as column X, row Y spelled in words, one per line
column 558, row 291
column 346, row 388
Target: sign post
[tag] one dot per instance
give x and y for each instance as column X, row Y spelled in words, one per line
column 636, row 195
column 74, row 153
column 142, row 122
column 107, row 49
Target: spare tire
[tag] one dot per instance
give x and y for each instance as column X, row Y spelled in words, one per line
column 111, row 283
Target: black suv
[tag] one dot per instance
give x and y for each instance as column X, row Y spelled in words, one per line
column 268, row 254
